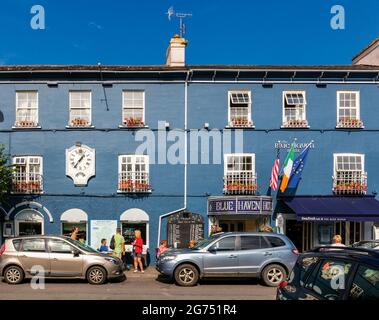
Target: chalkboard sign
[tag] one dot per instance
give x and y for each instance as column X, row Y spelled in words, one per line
column 183, row 227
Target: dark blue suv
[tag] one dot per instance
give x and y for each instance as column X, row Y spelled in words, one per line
column 333, row 273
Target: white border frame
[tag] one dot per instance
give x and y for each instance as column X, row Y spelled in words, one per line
column 252, row 155
column 230, row 92
column 16, row 108
column 358, row 107
column 123, row 107
column 335, row 155
column 284, row 100
column 90, row 107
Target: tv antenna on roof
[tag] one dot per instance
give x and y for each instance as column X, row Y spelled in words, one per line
column 181, row 15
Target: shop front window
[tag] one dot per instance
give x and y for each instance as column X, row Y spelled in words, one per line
column 29, row 228
column 128, row 231
column 68, row 226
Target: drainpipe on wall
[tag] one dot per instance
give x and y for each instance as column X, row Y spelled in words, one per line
column 185, row 161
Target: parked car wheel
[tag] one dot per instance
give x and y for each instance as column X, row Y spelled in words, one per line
column 186, row 275
column 13, row 275
column 96, row 275
column 273, row 275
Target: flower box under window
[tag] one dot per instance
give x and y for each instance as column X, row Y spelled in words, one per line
column 240, row 122
column 27, row 187
column 133, row 186
column 133, row 122
column 350, row 123
column 350, row 183
column 79, row 122
column 296, row 124
column 26, row 124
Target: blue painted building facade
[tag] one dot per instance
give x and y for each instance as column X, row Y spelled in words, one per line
column 187, row 98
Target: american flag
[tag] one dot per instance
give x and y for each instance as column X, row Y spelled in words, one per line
column 275, row 174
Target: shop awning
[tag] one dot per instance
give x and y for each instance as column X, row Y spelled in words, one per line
column 331, row 208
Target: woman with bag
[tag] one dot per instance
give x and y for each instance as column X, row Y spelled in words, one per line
column 137, row 251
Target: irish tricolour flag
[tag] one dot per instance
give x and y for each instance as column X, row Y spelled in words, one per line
column 287, row 170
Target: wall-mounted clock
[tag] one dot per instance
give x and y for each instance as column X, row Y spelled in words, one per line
column 80, row 164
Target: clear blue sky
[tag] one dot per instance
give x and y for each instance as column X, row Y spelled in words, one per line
column 137, row 32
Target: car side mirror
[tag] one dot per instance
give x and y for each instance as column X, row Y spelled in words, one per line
column 76, row 253
column 212, row 249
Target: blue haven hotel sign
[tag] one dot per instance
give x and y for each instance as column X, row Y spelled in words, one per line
column 256, row 205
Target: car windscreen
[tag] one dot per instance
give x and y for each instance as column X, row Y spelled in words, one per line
column 81, row 245
column 205, row 242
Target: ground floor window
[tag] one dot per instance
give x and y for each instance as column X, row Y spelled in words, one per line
column 29, row 222
column 350, row 231
column 82, row 226
column 29, row 228
column 238, row 223
column 128, row 229
column 307, row 235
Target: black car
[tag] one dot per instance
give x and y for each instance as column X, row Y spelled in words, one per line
column 333, row 273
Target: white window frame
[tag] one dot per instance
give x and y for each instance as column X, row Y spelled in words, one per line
column 249, row 107
column 336, row 155
column 71, row 108
column 125, row 107
column 18, row 107
column 303, row 92
column 357, row 107
column 252, row 155
column 133, row 163
column 27, row 163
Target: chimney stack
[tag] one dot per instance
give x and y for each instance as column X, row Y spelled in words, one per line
column 175, row 55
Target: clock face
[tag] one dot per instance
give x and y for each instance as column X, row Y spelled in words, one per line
column 80, row 164
column 80, row 160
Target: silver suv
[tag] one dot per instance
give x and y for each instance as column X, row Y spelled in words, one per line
column 268, row 256
column 57, row 257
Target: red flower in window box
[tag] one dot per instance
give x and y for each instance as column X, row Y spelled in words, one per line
column 79, row 122
column 133, row 122
column 26, row 123
column 346, row 122
column 240, row 122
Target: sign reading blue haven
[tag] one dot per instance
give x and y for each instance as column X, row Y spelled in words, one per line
column 240, row 205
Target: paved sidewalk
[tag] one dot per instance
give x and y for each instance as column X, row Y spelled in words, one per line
column 150, row 272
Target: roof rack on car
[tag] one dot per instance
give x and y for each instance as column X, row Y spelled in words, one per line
column 352, row 250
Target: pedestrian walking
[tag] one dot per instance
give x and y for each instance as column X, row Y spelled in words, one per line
column 137, row 250
column 162, row 248
column 119, row 244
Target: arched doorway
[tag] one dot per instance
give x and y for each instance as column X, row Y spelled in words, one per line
column 29, row 222
column 75, row 218
column 131, row 220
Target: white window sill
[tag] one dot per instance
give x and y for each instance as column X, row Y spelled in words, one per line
column 240, row 127
column 27, row 193
column 121, row 126
column 134, row 192
column 25, row 128
column 350, row 128
column 80, row 127
column 294, row 127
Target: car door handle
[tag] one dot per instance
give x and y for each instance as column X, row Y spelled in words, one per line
column 232, row 256
column 55, row 259
column 268, row 253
